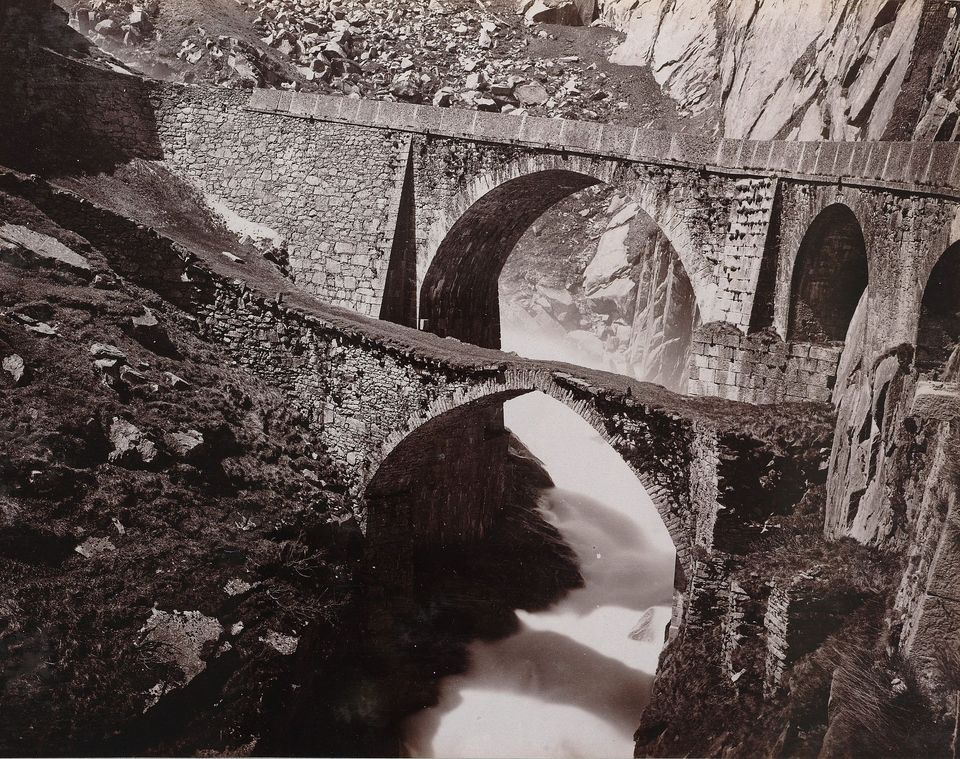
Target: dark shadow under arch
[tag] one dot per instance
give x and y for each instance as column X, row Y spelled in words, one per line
column 938, row 332
column 829, row 276
column 455, row 544
column 459, row 296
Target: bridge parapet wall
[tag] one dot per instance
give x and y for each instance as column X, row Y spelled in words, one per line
column 914, row 166
column 330, row 190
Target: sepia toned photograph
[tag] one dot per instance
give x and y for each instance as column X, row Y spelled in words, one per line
column 479, row 379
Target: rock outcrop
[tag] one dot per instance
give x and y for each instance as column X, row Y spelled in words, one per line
column 621, row 302
column 813, row 70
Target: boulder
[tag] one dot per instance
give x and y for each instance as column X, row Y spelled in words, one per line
column 188, row 445
column 567, row 12
column 443, row 97
column 177, row 382
column 406, row 86
column 531, row 94
column 92, row 548
column 236, row 587
column 181, row 638
column 16, row 367
column 147, row 330
column 131, row 376
column 129, row 446
column 107, row 27
column 107, row 351
column 285, row 645
column 139, row 20
column 643, row 631
column 25, row 248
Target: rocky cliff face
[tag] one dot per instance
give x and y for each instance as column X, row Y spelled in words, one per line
column 599, row 284
column 813, row 69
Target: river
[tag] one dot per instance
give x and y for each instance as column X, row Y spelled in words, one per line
column 573, row 680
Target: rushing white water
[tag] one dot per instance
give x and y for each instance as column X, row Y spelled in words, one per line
column 572, row 681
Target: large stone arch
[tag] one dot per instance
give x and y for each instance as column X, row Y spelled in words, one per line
column 830, row 274
column 516, row 382
column 938, row 328
column 481, row 223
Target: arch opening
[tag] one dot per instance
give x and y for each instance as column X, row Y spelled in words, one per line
column 558, row 264
column 829, row 276
column 938, row 331
column 566, row 582
column 597, row 282
column 459, row 296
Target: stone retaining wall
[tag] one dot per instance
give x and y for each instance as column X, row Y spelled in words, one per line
column 71, row 117
column 799, row 617
column 761, row 367
column 332, row 191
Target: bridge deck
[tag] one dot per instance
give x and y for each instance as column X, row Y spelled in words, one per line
column 908, row 166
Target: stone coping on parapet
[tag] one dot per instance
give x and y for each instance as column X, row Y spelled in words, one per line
column 923, row 167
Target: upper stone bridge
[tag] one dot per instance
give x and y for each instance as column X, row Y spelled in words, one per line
column 408, row 213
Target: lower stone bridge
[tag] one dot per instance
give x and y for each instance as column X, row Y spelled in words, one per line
column 716, row 470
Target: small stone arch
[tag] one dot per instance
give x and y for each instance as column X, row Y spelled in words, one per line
column 511, row 384
column 469, row 242
column 938, row 330
column 830, row 274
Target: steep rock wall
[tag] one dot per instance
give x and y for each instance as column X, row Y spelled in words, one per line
column 812, row 69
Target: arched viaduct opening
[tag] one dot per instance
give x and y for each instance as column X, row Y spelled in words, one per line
column 938, row 332
column 471, row 543
column 633, row 312
column 829, row 276
column 459, row 295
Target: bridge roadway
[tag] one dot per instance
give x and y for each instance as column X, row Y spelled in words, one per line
column 914, row 167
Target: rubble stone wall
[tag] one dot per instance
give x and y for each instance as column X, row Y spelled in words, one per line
column 369, row 397
column 330, row 190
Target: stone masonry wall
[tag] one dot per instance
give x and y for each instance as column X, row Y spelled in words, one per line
column 910, row 165
column 760, row 367
column 746, row 239
column 332, row 191
column 799, row 617
column 70, row 117
column 742, row 629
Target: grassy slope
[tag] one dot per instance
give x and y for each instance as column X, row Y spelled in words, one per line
column 256, row 508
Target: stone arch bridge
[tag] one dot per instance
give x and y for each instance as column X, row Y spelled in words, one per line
column 408, row 213
column 715, row 470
